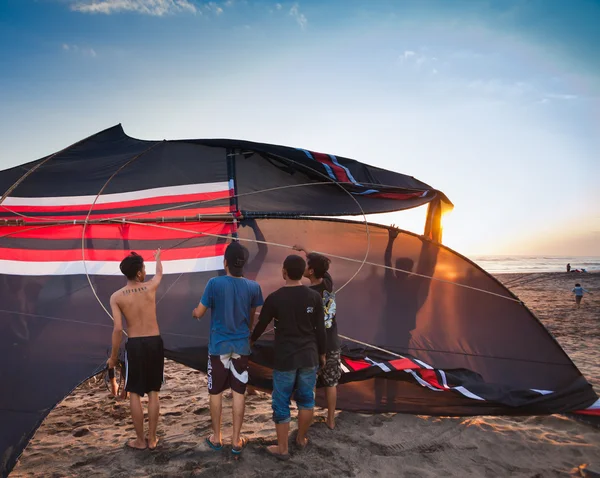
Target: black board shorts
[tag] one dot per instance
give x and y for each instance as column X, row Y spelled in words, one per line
column 144, row 364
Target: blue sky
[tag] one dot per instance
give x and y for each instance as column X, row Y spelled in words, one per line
column 496, row 103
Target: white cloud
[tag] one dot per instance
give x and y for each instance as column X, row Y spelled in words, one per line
column 81, row 50
column 408, row 54
column 299, row 16
column 213, row 7
column 278, row 6
column 228, row 3
column 562, row 97
column 147, row 7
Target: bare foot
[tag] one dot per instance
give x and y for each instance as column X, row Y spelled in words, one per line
column 273, row 450
column 137, row 444
column 114, row 387
column 330, row 422
column 302, row 443
column 152, row 442
column 124, row 394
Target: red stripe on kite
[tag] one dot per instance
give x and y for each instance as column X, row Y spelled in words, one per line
column 118, row 231
column 431, row 378
column 593, row 411
column 397, row 196
column 356, row 365
column 340, row 172
column 132, row 216
column 403, row 364
column 36, row 255
column 173, row 199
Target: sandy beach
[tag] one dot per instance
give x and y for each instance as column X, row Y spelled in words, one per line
column 86, row 433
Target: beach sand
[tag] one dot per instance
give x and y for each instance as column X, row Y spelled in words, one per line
column 85, row 434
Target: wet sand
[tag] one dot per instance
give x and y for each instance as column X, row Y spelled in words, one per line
column 85, row 434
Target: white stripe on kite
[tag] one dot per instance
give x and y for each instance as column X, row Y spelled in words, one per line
column 423, row 364
column 444, row 381
column 466, row 393
column 594, row 406
column 106, row 268
column 423, row 382
column 542, row 392
column 118, row 197
column 381, row 365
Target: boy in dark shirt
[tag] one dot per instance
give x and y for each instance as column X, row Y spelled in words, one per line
column 317, row 272
column 300, row 343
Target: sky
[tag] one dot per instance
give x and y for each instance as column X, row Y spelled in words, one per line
column 495, row 103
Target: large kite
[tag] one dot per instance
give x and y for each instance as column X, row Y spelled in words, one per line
column 424, row 330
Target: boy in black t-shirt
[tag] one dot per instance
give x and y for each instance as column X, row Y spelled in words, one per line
column 300, row 343
column 320, row 280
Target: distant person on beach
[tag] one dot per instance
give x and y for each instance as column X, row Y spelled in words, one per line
column 569, row 267
column 317, row 272
column 300, row 346
column 578, row 290
column 233, row 300
column 144, row 355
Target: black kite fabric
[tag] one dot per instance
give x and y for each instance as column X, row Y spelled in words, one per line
column 423, row 329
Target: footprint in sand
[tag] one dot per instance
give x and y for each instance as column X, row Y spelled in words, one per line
column 80, row 432
column 173, row 414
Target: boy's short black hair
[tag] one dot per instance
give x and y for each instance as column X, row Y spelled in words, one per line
column 577, row 285
column 318, row 263
column 294, row 266
column 236, row 256
column 131, row 265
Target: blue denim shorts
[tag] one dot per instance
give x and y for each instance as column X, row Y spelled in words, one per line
column 302, row 381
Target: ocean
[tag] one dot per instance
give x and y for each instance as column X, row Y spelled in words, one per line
column 507, row 264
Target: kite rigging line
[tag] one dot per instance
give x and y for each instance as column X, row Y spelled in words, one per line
column 122, row 220
column 287, row 246
column 39, row 165
column 88, row 216
column 178, row 206
column 150, row 224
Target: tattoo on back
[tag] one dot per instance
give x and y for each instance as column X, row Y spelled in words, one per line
column 138, row 289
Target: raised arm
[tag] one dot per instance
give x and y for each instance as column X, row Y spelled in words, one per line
column 117, row 334
column 155, row 281
column 300, row 248
column 387, row 257
column 258, row 260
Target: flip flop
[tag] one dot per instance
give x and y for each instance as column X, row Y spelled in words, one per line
column 238, row 451
column 279, row 456
column 212, row 445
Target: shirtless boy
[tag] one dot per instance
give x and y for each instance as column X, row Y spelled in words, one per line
column 144, row 355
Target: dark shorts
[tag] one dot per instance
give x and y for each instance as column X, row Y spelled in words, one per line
column 227, row 371
column 144, row 364
column 330, row 374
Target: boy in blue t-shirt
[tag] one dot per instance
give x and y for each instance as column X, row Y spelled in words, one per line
column 233, row 301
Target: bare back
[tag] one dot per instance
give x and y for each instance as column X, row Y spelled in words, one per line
column 137, row 303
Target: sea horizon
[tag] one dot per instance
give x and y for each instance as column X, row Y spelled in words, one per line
column 520, row 263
